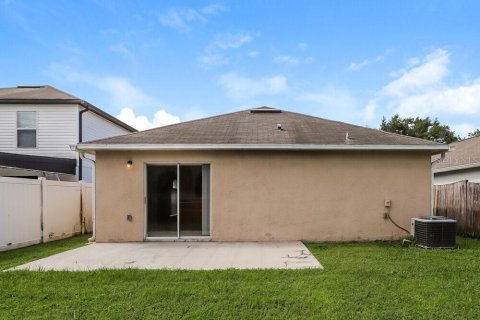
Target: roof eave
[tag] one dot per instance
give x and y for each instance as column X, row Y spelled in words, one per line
column 458, row 167
column 299, row 147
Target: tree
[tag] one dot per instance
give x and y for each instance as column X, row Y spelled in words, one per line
column 423, row 128
column 475, row 133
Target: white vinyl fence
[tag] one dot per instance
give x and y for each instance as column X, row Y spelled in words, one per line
column 34, row 211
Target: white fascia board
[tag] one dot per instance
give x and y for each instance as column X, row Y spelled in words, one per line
column 459, row 167
column 94, row 147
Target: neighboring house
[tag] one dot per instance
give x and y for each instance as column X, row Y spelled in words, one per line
column 37, row 126
column 462, row 162
column 260, row 174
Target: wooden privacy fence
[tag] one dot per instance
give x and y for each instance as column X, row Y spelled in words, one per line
column 459, row 201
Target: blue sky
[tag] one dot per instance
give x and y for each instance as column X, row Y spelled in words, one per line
column 158, row 62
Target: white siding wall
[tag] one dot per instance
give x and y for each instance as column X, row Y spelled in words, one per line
column 57, row 128
column 472, row 175
column 95, row 127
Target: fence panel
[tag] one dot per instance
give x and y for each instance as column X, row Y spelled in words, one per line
column 25, row 203
column 87, row 207
column 61, row 209
column 20, row 212
column 473, row 208
column 460, row 201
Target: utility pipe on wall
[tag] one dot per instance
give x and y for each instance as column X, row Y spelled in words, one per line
column 92, row 238
column 442, row 157
column 80, row 139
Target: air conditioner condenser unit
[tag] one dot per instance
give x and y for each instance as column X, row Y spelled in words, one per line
column 435, row 232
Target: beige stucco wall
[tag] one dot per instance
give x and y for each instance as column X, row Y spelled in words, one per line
column 277, row 195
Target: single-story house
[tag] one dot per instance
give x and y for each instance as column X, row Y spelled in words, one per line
column 258, row 175
column 462, row 162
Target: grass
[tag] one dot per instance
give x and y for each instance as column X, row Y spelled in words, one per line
column 376, row 280
column 20, row 256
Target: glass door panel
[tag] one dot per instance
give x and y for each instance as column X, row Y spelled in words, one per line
column 178, row 201
column 162, row 213
column 194, row 215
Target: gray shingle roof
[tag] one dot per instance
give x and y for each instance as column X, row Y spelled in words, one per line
column 463, row 154
column 34, row 92
column 259, row 127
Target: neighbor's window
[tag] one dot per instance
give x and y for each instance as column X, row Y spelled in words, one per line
column 26, row 129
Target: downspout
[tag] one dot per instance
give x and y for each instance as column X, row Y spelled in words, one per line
column 92, row 238
column 80, row 139
column 442, row 157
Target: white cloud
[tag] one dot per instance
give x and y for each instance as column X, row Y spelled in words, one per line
column 287, row 60
column 181, row 19
column 432, row 70
column 291, row 60
column 463, row 129
column 411, row 62
column 294, row 60
column 139, row 122
column 464, row 100
column 253, row 54
column 420, row 89
column 120, row 90
column 355, row 66
column 122, row 94
column 232, row 40
column 333, row 103
column 212, row 58
column 240, row 87
column 213, row 9
column 370, row 111
column 214, row 53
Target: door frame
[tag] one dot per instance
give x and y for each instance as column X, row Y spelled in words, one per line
column 145, row 201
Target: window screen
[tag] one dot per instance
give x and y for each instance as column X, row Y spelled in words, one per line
column 26, row 129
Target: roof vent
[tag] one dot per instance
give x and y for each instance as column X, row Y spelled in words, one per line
column 265, row 109
column 30, row 87
column 348, row 137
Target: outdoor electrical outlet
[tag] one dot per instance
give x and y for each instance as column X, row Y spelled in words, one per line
column 388, row 202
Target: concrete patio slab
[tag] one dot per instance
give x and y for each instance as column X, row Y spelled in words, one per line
column 180, row 255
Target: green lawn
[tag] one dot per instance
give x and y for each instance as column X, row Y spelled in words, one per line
column 379, row 280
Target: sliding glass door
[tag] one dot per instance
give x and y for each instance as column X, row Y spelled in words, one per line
column 178, row 201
